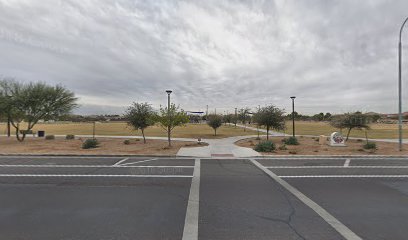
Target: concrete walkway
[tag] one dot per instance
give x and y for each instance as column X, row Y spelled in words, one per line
column 223, row 147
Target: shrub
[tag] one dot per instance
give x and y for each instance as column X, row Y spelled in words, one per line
column 265, row 146
column 126, row 142
column 90, row 143
column 49, row 137
column 293, row 152
column 290, row 141
column 70, row 137
column 359, row 140
column 370, row 145
column 283, row 147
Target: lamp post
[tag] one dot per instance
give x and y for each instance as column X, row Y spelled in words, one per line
column 8, row 116
column 236, row 118
column 93, row 130
column 257, row 124
column 168, row 115
column 293, row 115
column 400, row 85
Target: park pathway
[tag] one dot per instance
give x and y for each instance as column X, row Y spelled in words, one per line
column 224, row 147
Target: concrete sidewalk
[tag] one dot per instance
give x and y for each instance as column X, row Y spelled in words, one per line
column 224, row 147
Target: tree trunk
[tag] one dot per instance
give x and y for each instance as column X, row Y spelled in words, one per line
column 20, row 139
column 267, row 133
column 348, row 133
column 215, row 131
column 144, row 139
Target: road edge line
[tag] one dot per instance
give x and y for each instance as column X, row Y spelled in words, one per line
column 190, row 231
column 330, row 219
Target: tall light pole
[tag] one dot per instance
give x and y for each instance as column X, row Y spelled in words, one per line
column 8, row 116
column 236, row 118
column 168, row 115
column 293, row 115
column 400, row 85
column 93, row 130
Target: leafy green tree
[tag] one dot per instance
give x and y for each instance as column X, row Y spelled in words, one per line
column 32, row 102
column 327, row 116
column 318, row 117
column 215, row 122
column 172, row 117
column 351, row 121
column 243, row 116
column 271, row 117
column 140, row 116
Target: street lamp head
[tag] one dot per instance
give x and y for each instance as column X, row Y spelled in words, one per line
column 168, row 91
column 293, row 97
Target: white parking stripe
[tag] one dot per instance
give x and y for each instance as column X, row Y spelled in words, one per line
column 336, row 224
column 96, row 175
column 347, row 163
column 346, row 176
column 120, row 161
column 90, row 166
column 190, row 231
column 316, row 167
column 148, row 160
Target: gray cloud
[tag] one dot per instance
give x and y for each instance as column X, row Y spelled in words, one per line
column 333, row 55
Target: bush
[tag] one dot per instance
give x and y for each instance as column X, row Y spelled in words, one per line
column 70, row 137
column 265, row 146
column 282, row 147
column 290, row 141
column 126, row 142
column 49, row 137
column 370, row 145
column 90, row 143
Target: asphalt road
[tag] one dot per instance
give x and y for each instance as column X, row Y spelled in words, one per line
column 181, row 198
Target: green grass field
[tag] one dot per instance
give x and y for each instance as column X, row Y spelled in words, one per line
column 121, row 129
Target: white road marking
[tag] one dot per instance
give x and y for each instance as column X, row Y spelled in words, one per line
column 91, row 166
column 148, row 160
column 312, row 167
column 120, row 161
column 95, row 175
column 347, row 163
column 336, row 224
column 346, row 176
column 75, row 157
column 190, row 231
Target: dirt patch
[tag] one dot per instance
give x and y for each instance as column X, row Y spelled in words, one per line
column 310, row 146
column 108, row 146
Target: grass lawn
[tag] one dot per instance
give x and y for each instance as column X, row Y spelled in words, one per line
column 377, row 131
column 121, row 129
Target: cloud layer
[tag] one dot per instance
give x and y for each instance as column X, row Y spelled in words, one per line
column 333, row 55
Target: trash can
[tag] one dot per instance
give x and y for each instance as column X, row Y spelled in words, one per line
column 41, row 133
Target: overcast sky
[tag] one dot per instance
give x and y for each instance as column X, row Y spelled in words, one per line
column 333, row 56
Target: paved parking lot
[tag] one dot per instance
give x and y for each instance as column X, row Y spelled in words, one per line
column 186, row 198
